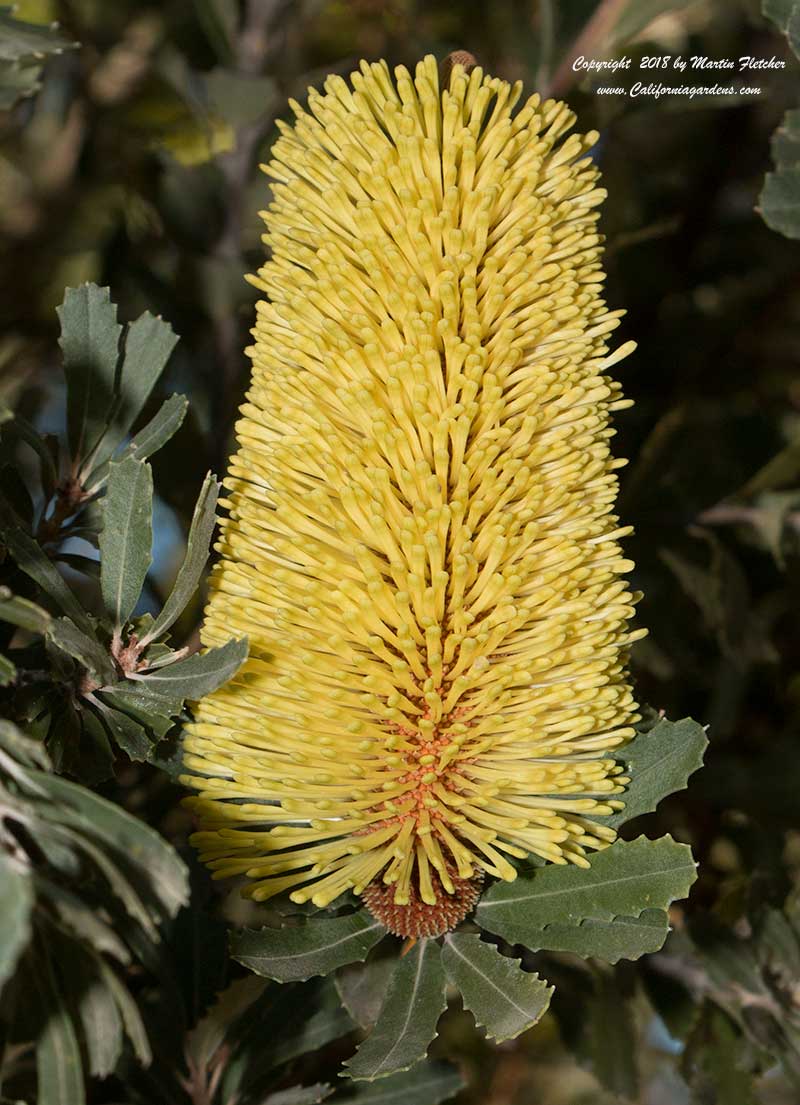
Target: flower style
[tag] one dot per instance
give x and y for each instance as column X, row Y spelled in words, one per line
column 420, row 541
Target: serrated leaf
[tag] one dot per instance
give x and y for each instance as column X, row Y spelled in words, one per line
column 197, row 676
column 281, row 1015
column 624, row 880
column 127, row 537
column 316, row 946
column 207, row 1036
column 660, row 762
column 504, row 999
column 22, row 612
column 58, row 1057
column 131, row 737
column 361, row 986
column 18, row 79
column 84, row 648
column 619, row 938
column 427, row 1084
column 785, row 14
column 20, row 40
column 136, row 697
column 89, row 341
column 149, row 343
column 35, row 563
column 159, row 864
column 191, row 570
column 779, row 202
column 407, row 1022
column 157, row 724
column 16, row 901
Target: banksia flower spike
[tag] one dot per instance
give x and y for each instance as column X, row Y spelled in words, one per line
column 420, row 541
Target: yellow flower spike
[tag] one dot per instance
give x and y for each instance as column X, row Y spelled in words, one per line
column 420, row 541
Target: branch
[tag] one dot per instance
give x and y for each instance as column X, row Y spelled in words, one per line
column 590, row 40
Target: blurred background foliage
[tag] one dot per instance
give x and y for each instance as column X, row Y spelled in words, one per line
column 131, row 160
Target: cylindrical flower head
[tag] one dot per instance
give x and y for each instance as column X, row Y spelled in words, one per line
column 420, row 541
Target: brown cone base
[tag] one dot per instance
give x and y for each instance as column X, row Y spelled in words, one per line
column 418, row 918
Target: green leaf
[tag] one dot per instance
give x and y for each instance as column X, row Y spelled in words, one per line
column 92, row 759
column 97, row 1010
column 8, row 672
column 316, row 946
column 131, row 737
column 149, row 439
column 196, row 676
column 135, row 697
column 22, row 750
column 80, row 918
column 158, row 863
column 131, row 1017
column 161, row 427
column 149, row 343
column 407, row 1022
column 90, row 337
column 301, row 1034
column 42, row 446
column 58, row 1057
column 785, row 14
column 110, row 865
column 16, row 902
column 623, row 880
column 218, row 21
column 22, row 612
column 619, row 938
column 427, row 1084
column 299, row 1095
column 84, row 648
column 612, row 1037
column 144, row 710
column 282, row 1016
column 127, row 537
column 660, row 762
column 716, row 1061
column 361, row 986
column 30, row 559
column 17, row 80
column 191, row 570
column 782, row 470
column 779, row 202
column 504, row 999
column 209, row 1034
column 240, row 98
